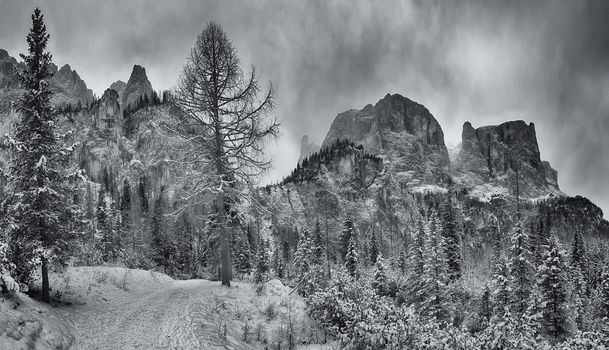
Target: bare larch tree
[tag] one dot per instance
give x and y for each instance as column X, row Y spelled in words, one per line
column 226, row 123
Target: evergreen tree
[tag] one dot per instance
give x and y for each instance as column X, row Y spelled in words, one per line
column 352, row 257
column 345, row 236
column 452, row 235
column 602, row 295
column 435, row 300
column 521, row 272
column 41, row 219
column 374, row 249
column 417, row 262
column 485, row 308
column 579, row 286
column 502, row 293
column 303, row 255
column 402, row 261
column 318, row 248
column 106, row 228
column 552, row 285
column 243, row 255
column 262, row 263
column 164, row 246
column 578, row 252
column 380, row 283
column 278, row 264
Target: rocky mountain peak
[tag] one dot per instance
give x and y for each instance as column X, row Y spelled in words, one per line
column 137, row 85
column 68, row 87
column 492, row 151
column 399, row 126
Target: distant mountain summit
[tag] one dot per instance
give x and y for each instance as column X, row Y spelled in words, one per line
column 68, row 87
column 401, row 129
column 411, row 143
column 503, row 153
column 137, row 86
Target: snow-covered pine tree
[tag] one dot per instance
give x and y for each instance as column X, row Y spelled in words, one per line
column 345, row 236
column 601, row 295
column 352, row 257
column 303, row 255
column 42, row 219
column 318, row 246
column 380, row 283
column 434, row 296
column 261, row 272
column 374, row 248
column 452, row 234
column 417, row 262
column 521, row 272
column 502, row 292
column 415, row 267
column 485, row 308
column 243, row 255
column 278, row 264
column 552, row 286
column 164, row 246
column 579, row 283
column 402, row 261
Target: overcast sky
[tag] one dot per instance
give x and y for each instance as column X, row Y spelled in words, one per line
column 478, row 61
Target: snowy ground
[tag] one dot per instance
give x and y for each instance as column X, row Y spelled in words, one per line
column 116, row 308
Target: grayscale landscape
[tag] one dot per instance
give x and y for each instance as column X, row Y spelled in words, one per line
column 304, row 175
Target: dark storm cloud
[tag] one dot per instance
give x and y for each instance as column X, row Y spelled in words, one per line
column 486, row 62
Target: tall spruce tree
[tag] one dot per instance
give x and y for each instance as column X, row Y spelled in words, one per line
column 261, row 272
column 41, row 216
column 380, row 282
column 502, row 292
column 552, row 286
column 345, row 236
column 352, row 257
column 318, row 248
column 304, row 255
column 434, row 297
column 374, row 249
column 451, row 233
column 521, row 272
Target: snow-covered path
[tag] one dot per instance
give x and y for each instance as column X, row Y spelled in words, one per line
column 180, row 315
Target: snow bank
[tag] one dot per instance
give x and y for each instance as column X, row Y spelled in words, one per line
column 274, row 287
column 99, row 284
column 487, row 192
column 424, row 189
column 27, row 324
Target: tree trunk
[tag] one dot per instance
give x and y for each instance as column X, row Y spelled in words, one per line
column 224, row 245
column 45, row 281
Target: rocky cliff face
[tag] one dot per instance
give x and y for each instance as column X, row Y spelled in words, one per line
column 119, row 86
column 137, row 86
column 8, row 71
column 106, row 114
column 69, row 88
column 402, row 130
column 502, row 152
